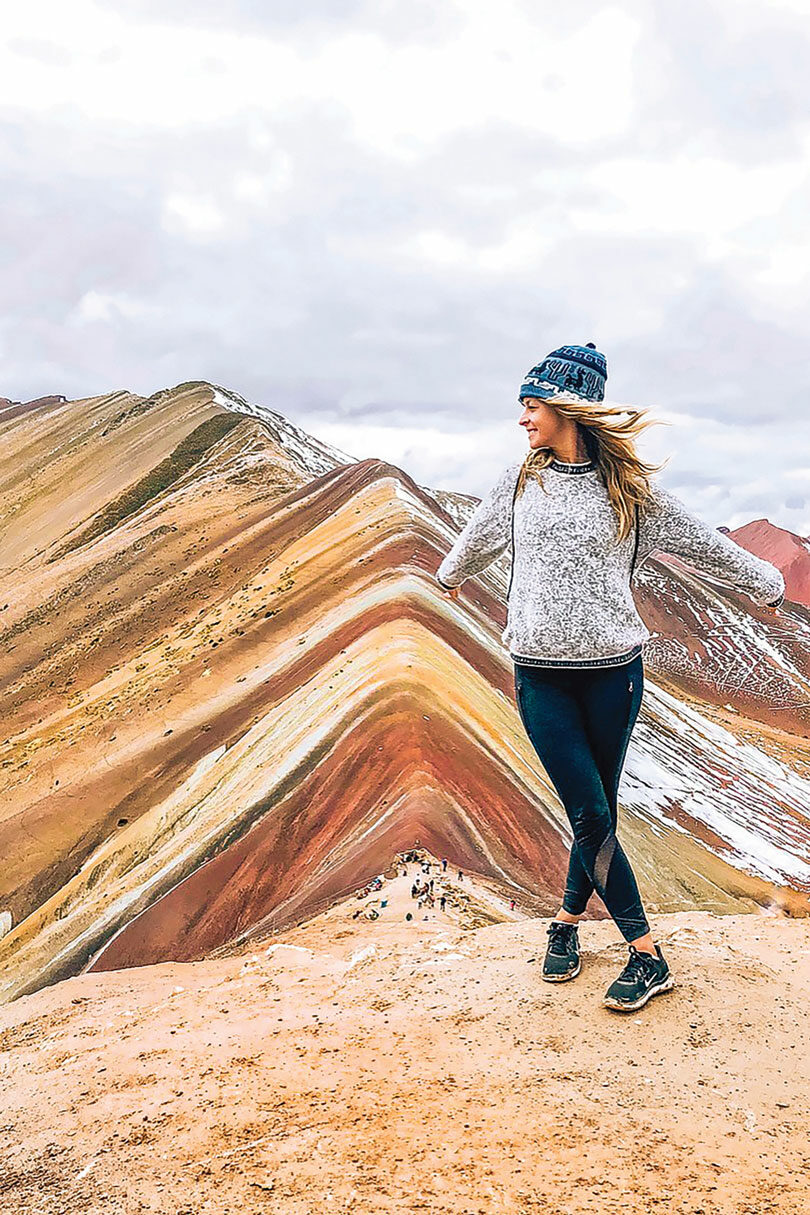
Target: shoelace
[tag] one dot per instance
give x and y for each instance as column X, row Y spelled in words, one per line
column 637, row 963
column 558, row 937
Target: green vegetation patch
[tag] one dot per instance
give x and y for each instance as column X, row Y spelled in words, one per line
column 186, row 454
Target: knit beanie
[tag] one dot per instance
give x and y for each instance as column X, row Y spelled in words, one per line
column 579, row 370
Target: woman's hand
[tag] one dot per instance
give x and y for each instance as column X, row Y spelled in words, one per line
column 452, row 593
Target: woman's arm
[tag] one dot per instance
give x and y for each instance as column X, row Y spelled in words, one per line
column 486, row 535
column 667, row 524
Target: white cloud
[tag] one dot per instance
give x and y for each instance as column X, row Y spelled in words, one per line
column 398, row 100
column 380, row 216
column 193, row 213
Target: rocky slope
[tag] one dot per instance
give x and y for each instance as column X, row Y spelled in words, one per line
column 386, row 1065
column 232, row 688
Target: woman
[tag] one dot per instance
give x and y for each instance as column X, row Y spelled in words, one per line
column 574, row 634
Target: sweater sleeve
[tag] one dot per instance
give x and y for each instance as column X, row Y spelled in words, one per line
column 487, row 533
column 667, row 524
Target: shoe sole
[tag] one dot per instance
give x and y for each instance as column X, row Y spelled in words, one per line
column 563, row 978
column 623, row 1006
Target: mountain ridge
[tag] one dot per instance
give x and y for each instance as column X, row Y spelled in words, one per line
column 267, row 623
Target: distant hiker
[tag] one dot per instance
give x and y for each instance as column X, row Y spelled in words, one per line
column 579, row 678
column 408, row 915
column 460, row 876
column 430, row 883
column 512, row 905
column 444, row 863
column 442, row 901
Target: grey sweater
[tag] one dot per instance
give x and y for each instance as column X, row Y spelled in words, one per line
column 570, row 603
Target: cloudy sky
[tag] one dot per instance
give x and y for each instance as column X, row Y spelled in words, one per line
column 376, row 215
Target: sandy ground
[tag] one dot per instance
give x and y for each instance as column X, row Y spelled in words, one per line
column 392, row 1066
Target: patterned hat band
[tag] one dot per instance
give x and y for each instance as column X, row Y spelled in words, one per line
column 579, row 370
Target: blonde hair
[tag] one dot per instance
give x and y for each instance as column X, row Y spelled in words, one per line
column 610, row 443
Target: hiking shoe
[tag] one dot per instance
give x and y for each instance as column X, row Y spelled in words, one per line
column 562, row 955
column 643, row 976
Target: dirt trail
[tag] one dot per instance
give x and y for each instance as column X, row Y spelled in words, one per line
column 392, row 1066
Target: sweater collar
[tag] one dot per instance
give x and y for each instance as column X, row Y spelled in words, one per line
column 583, row 466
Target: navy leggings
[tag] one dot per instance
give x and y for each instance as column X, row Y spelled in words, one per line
column 579, row 721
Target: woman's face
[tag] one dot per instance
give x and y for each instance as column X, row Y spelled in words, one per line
column 540, row 421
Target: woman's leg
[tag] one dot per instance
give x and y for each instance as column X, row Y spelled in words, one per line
column 610, row 699
column 553, row 717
